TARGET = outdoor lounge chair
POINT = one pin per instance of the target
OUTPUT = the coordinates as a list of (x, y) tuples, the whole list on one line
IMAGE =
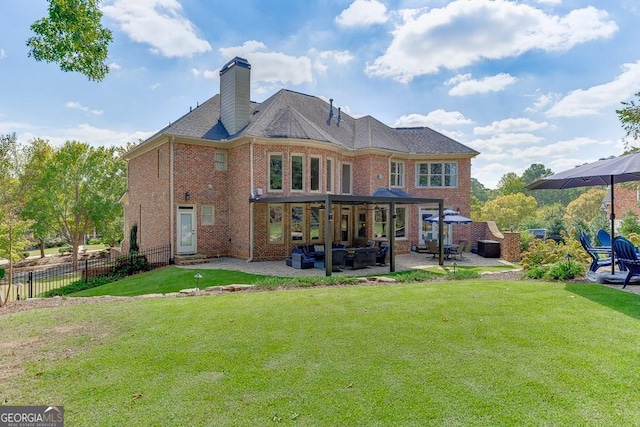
[(600, 256), (432, 248), (359, 259), (627, 257), (604, 238), (338, 258), (381, 256)]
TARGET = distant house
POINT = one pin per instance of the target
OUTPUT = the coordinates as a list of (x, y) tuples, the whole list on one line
[(252, 180)]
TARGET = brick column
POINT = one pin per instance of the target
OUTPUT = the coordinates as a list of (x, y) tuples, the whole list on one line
[(511, 247)]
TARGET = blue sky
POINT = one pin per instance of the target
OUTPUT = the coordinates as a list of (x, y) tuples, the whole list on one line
[(522, 82)]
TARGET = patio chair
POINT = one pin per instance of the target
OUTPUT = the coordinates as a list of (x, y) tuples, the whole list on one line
[(600, 257), (338, 258), (604, 238), (627, 257), (432, 248), (381, 256), (359, 259)]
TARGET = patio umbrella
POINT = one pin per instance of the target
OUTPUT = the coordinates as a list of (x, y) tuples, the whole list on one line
[(613, 170), (450, 217)]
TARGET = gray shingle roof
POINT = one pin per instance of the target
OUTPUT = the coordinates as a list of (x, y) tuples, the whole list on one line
[(289, 114)]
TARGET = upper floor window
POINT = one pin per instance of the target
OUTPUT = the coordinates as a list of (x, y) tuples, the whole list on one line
[(314, 173), (329, 175), (275, 172), (397, 174), (297, 172), (346, 178), (221, 161), (436, 175)]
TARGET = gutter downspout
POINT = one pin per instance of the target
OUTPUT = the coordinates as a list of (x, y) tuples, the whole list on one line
[(171, 196), (251, 204)]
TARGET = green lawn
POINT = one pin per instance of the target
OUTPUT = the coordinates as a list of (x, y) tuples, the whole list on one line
[(442, 353), (169, 279)]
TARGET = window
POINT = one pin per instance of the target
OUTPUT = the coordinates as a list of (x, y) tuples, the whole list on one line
[(297, 223), (275, 172), (329, 175), (315, 226), (314, 174), (436, 175), (275, 224), (397, 174), (346, 178), (297, 172), (401, 223), (380, 222), (362, 224), (206, 215), (221, 161)]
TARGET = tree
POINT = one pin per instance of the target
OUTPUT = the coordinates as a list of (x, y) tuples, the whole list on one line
[(12, 227), (586, 207), (38, 155), (80, 187), (73, 37), (535, 171), (480, 192), (511, 183), (630, 118), (509, 211)]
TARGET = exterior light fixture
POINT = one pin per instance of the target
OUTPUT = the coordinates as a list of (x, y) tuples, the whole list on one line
[(187, 196), (198, 277)]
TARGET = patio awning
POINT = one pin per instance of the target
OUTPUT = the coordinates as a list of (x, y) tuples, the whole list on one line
[(391, 198)]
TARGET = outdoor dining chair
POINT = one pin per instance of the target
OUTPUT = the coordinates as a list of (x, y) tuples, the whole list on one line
[(600, 256)]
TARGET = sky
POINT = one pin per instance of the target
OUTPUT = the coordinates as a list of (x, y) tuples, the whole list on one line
[(522, 82)]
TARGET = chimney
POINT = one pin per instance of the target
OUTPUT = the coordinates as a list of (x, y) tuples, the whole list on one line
[(235, 102)]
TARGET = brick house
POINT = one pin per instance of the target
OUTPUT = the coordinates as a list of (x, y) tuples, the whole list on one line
[(627, 198), (253, 180)]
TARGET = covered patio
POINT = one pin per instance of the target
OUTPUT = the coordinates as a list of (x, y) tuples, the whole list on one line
[(380, 197)]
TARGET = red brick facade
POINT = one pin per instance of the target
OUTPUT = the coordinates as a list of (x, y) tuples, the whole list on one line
[(197, 183)]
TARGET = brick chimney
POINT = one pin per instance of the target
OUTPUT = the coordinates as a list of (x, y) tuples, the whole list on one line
[(235, 102)]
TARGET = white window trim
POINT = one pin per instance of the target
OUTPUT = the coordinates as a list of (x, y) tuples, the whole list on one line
[(443, 163), (330, 185), (320, 175), (391, 184), (226, 161), (213, 215), (278, 190), (350, 178), (304, 181)]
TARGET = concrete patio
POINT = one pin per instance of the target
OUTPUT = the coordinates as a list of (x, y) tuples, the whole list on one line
[(404, 262)]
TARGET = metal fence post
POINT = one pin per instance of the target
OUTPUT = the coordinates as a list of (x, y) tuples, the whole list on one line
[(30, 284), (86, 271)]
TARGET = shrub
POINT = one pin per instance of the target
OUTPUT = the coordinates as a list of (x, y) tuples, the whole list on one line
[(79, 285), (94, 241), (565, 271), (548, 251), (127, 265), (526, 239), (65, 249)]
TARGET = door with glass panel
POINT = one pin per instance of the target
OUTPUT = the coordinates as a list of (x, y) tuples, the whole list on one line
[(186, 231)]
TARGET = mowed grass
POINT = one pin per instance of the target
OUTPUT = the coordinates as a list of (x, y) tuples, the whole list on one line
[(443, 353), (169, 279)]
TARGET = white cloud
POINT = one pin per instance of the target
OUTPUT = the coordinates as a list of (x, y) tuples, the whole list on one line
[(510, 125), (160, 24), (435, 119), (541, 102), (590, 101), (3, 54), (463, 32), (114, 66), (77, 106), (549, 1), (362, 13), (340, 57), (465, 85), (271, 67)]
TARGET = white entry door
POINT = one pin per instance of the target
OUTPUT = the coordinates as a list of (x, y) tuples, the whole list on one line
[(186, 231)]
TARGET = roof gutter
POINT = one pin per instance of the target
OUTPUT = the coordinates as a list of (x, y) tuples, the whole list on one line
[(251, 205)]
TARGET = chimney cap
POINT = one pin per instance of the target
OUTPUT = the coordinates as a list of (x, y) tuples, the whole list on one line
[(241, 62)]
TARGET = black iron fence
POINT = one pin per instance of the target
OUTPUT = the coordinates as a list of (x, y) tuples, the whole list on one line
[(31, 282)]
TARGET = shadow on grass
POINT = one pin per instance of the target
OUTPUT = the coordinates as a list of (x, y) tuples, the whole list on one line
[(623, 302)]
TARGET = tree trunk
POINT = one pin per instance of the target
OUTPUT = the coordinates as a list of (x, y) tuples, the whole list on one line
[(41, 246)]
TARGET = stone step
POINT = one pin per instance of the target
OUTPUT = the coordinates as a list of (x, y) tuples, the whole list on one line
[(190, 259)]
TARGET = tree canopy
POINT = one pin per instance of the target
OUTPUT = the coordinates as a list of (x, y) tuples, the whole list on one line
[(73, 37), (630, 118)]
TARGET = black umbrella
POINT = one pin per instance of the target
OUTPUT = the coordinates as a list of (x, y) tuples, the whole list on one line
[(613, 170)]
